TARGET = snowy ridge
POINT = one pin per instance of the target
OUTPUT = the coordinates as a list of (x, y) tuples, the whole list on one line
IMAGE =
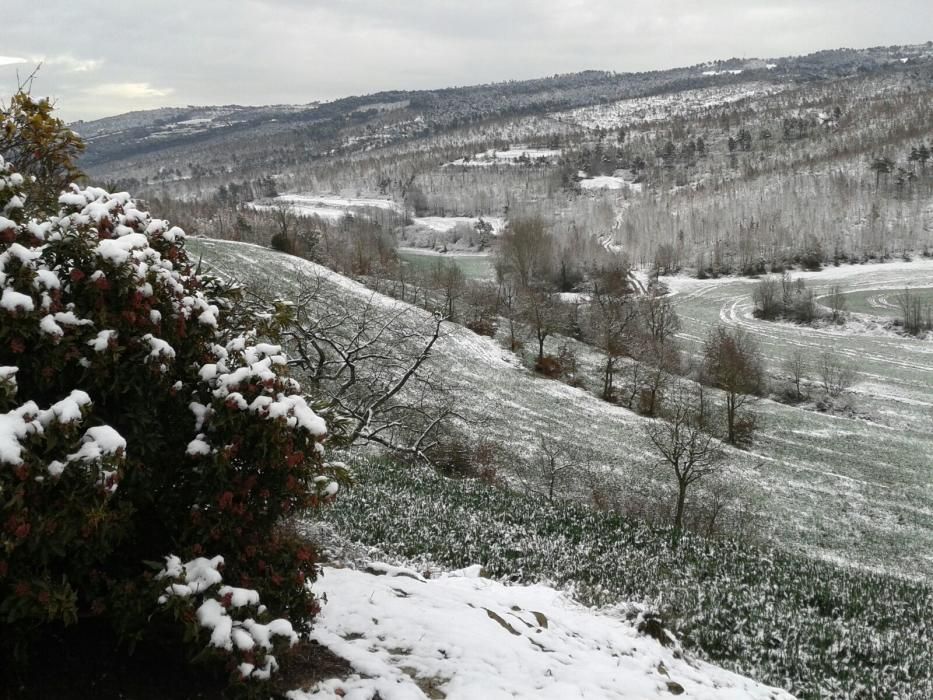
[(463, 637)]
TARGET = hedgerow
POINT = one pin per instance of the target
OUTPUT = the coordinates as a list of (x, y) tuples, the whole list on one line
[(814, 628)]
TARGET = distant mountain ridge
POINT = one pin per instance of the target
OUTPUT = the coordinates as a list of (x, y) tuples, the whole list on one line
[(425, 112)]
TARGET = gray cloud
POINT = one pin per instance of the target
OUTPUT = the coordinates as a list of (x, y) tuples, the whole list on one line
[(103, 58)]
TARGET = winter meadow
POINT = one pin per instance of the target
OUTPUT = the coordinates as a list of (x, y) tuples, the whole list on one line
[(606, 384)]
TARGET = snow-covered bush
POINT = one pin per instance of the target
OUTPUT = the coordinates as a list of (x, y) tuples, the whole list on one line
[(144, 412), (233, 616)]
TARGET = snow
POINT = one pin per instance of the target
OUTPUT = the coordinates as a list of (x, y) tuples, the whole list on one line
[(328, 207), (15, 425), (201, 577), (199, 574), (198, 446), (293, 409), (99, 442), (888, 443), (891, 452), (444, 224), (46, 279), (466, 637), (68, 318), (14, 301), (514, 156), (117, 250), (662, 107), (605, 182), (68, 409), (26, 420), (158, 347), (240, 597), (102, 340)]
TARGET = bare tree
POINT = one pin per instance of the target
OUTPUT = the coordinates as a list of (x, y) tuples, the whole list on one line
[(659, 318), (524, 251), (449, 279), (611, 319), (768, 297), (835, 376), (370, 360), (912, 311), (732, 363), (685, 446), (836, 301), (544, 315), (553, 469), (796, 367), (655, 346), (508, 297)]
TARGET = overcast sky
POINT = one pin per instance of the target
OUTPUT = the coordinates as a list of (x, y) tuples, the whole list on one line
[(101, 58)]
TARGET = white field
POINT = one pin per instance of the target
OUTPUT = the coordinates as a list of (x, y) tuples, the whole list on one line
[(609, 182), (443, 224), (394, 627), (857, 489), (509, 157), (845, 489), (329, 207)]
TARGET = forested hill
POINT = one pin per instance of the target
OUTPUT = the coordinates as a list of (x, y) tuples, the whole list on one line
[(370, 121)]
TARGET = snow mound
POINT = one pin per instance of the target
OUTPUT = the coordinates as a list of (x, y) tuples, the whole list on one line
[(465, 637)]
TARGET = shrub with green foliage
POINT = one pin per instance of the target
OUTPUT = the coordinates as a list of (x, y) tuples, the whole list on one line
[(43, 148), (146, 418)]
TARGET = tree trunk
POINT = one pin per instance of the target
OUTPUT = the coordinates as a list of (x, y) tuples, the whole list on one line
[(730, 417), (607, 379), (679, 514)]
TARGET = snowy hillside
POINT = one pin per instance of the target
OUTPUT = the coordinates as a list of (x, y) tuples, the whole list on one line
[(806, 490), (462, 637)]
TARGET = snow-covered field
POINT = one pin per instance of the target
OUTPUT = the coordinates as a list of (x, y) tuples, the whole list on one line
[(462, 637), (444, 224), (329, 207), (608, 182), (516, 155), (853, 489)]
